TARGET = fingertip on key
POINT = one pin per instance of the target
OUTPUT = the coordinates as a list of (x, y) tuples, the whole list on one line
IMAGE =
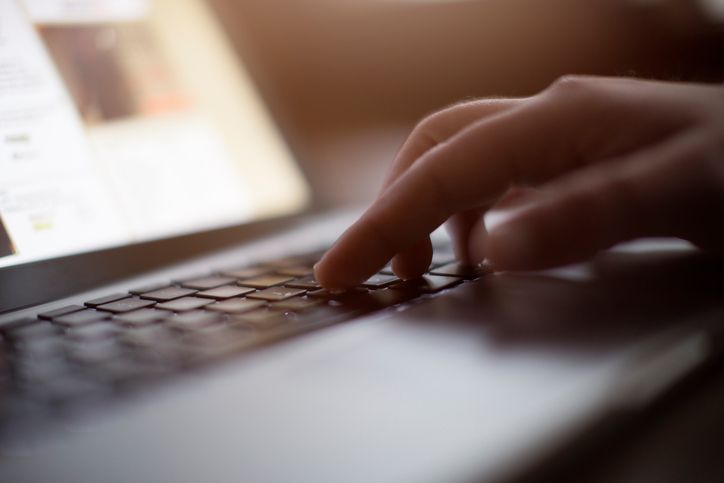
[(408, 269), (330, 277)]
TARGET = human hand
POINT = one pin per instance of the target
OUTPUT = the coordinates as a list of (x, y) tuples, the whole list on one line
[(577, 168)]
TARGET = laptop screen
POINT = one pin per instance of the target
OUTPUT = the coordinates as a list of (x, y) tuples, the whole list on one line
[(128, 120)]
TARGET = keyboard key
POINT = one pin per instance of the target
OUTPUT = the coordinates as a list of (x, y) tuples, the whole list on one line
[(275, 294), (33, 329), (324, 314), (141, 317), (262, 318), (148, 288), (185, 304), (379, 299), (207, 283), (427, 284), (194, 320), (95, 352), (168, 293), (48, 346), (102, 330), (363, 300), (456, 269), (327, 295), (296, 304), (126, 305), (308, 283), (83, 317), (249, 272), (165, 354), (148, 336), (105, 300), (225, 292), (218, 337), (68, 309), (265, 281), (163, 347), (215, 342), (236, 306), (380, 281)]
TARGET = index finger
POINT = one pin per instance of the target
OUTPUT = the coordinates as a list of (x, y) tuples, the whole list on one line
[(461, 173), (430, 132)]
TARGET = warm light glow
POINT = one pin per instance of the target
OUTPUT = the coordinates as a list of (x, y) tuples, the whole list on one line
[(123, 121)]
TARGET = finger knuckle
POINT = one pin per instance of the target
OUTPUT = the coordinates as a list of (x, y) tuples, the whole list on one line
[(571, 85), (427, 129)]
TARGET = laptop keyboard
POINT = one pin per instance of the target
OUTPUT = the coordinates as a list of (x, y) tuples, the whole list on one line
[(123, 342)]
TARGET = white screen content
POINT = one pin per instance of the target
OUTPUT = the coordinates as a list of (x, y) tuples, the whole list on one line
[(128, 120)]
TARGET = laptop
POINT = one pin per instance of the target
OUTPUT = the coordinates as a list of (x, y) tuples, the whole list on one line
[(160, 320)]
